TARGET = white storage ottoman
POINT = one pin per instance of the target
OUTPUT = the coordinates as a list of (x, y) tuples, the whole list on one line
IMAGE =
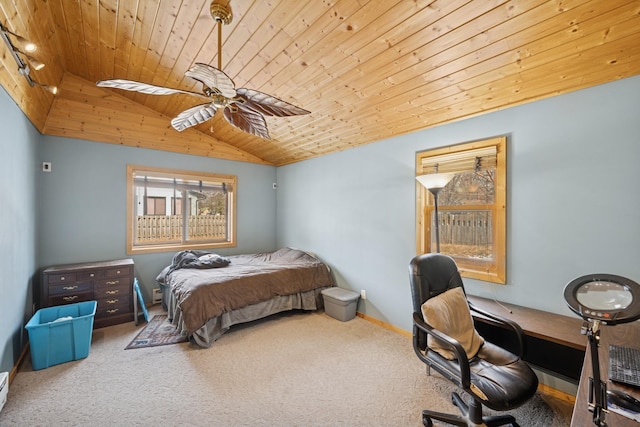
[(340, 303)]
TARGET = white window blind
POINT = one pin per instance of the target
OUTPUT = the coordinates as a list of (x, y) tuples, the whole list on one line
[(478, 159)]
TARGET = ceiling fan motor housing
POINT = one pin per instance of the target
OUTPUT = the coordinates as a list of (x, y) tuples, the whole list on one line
[(221, 13)]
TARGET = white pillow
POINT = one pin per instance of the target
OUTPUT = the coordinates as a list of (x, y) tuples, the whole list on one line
[(449, 313)]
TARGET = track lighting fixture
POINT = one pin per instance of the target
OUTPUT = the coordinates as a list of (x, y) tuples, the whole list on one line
[(26, 44), (35, 63), (22, 57), (48, 88)]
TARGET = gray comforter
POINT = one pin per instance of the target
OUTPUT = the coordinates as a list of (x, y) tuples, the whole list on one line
[(202, 294)]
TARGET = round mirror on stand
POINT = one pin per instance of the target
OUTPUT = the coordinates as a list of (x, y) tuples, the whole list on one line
[(606, 299)]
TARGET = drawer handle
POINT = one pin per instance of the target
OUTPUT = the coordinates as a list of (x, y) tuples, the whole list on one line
[(115, 282), (69, 288), (114, 292), (63, 278), (115, 310), (71, 298), (92, 275), (112, 301), (118, 272)]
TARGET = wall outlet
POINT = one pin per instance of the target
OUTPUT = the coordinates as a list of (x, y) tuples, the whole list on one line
[(46, 166), (363, 294)]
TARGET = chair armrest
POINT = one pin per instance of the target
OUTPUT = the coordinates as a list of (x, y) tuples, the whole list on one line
[(456, 347), (508, 323)]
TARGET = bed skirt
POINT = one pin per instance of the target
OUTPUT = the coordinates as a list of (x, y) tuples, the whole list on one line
[(215, 327)]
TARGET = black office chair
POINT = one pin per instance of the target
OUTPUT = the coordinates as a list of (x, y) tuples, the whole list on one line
[(493, 377)]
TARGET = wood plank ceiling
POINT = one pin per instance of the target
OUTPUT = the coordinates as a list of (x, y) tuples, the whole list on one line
[(366, 69)]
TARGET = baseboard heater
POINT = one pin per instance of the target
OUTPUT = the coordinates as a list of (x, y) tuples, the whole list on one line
[(4, 388)]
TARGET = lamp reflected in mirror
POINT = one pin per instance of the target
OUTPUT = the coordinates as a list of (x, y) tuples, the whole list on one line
[(435, 182)]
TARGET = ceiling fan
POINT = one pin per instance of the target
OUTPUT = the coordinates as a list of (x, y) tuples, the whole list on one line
[(243, 108)]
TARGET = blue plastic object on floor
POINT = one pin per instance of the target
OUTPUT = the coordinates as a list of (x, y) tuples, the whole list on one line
[(61, 333)]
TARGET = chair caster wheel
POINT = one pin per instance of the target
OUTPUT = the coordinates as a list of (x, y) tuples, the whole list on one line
[(426, 421)]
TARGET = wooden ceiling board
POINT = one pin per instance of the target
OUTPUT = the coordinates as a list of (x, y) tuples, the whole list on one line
[(556, 57), (435, 88), (67, 17), (124, 35), (366, 69)]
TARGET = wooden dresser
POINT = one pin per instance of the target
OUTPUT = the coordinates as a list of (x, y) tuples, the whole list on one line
[(110, 283)]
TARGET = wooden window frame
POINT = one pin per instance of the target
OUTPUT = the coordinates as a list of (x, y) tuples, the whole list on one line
[(494, 271), (230, 180)]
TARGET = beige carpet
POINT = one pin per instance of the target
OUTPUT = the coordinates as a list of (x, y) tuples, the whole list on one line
[(297, 369)]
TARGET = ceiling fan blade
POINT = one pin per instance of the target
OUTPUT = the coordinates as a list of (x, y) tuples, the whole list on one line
[(247, 120), (193, 116), (267, 104), (144, 87), (212, 78)]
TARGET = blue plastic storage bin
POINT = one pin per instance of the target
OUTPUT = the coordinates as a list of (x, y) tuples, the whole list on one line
[(61, 334)]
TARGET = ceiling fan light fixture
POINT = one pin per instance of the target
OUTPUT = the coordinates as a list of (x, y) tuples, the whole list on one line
[(243, 108)]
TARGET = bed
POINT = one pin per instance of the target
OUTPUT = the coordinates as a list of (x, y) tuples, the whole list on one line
[(205, 294)]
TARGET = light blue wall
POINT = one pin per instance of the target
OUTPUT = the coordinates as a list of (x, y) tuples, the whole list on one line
[(83, 215), (573, 202), (18, 167)]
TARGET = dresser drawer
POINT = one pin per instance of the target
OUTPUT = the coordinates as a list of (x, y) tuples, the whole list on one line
[(113, 306), (90, 275), (112, 291), (70, 298), (62, 278), (114, 282), (123, 271), (70, 288)]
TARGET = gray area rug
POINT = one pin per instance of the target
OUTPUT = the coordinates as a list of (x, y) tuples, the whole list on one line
[(295, 369), (159, 331)]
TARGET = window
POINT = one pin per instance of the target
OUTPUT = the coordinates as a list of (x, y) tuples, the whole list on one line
[(156, 206), (157, 199), (471, 207)]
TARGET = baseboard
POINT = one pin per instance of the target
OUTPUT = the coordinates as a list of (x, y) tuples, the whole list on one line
[(542, 388), (556, 394), (384, 324), (16, 366)]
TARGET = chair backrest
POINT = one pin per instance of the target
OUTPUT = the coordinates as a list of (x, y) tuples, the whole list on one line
[(430, 275)]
